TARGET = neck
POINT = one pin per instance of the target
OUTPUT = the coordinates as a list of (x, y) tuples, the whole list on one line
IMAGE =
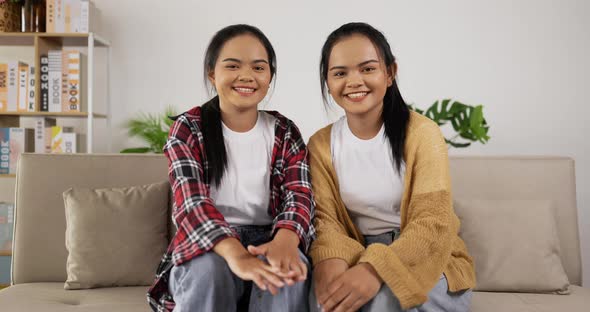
[(365, 126), (239, 120)]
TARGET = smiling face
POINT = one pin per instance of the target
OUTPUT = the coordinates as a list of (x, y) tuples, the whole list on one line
[(242, 73), (357, 77)]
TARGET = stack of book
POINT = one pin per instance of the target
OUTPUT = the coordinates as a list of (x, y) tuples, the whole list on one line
[(70, 16), (17, 87), (47, 137), (61, 83)]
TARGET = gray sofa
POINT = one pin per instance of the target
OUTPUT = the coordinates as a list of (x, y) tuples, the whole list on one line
[(39, 253)]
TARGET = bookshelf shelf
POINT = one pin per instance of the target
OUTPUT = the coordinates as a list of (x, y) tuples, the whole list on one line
[(7, 175), (28, 39), (51, 114), (5, 253)]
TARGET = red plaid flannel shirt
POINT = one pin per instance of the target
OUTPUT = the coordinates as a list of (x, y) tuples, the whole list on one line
[(200, 226)]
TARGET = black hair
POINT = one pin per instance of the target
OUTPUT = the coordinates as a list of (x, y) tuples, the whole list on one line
[(210, 111), (396, 113)]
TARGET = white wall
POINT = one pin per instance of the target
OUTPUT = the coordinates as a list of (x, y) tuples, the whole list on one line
[(526, 61)]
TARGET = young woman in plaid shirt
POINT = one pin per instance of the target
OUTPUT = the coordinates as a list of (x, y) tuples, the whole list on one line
[(242, 196)]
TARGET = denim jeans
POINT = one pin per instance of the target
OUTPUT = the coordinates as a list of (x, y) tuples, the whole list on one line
[(206, 283), (439, 298)]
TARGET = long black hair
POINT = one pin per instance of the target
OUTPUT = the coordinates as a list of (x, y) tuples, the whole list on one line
[(210, 111), (396, 113)]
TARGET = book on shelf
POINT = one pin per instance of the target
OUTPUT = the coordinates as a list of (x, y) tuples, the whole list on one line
[(3, 87), (31, 90), (70, 16), (44, 84), (64, 140), (43, 134), (55, 80), (14, 142), (6, 225)]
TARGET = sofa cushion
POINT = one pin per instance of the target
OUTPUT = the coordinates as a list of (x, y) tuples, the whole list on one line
[(577, 300), (51, 297), (116, 236), (514, 245)]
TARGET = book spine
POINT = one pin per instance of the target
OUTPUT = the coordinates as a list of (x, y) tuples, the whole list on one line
[(4, 150), (3, 87), (73, 85), (50, 20), (44, 98), (12, 86), (55, 81), (31, 89), (56, 140), (23, 78), (84, 16), (69, 143)]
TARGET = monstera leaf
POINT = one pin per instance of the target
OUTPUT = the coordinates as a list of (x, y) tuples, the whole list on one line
[(151, 128), (467, 121)]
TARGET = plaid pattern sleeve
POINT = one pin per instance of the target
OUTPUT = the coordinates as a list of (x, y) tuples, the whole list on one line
[(295, 204), (199, 224)]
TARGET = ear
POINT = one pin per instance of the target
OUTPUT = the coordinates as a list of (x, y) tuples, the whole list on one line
[(211, 77), (391, 72)]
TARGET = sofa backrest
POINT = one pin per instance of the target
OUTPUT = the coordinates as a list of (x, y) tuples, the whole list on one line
[(39, 252), (548, 178)]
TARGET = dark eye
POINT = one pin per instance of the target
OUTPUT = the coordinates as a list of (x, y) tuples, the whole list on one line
[(259, 68), (369, 69), (231, 66), (339, 74)]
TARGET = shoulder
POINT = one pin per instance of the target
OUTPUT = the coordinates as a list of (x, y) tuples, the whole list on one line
[(284, 127), (421, 128), (320, 139)]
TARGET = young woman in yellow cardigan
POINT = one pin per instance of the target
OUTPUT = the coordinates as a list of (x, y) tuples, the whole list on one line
[(387, 236)]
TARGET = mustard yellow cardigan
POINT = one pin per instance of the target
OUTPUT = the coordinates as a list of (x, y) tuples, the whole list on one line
[(429, 243)]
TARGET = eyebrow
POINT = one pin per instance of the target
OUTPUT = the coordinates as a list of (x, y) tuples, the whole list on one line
[(238, 61), (359, 65)]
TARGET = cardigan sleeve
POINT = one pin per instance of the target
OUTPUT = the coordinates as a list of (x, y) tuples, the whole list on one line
[(333, 239), (414, 263)]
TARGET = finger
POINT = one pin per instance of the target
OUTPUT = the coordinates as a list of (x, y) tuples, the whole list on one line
[(328, 289), (256, 251), (296, 267), (273, 290), (357, 304), (273, 279), (335, 298), (346, 303), (259, 281), (303, 267)]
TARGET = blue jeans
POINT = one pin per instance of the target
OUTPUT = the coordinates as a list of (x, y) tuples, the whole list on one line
[(206, 283), (440, 299)]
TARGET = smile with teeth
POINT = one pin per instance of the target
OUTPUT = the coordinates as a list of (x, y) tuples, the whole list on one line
[(357, 95), (244, 90)]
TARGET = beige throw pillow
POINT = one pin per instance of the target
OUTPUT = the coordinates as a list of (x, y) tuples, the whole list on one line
[(514, 245), (116, 236)]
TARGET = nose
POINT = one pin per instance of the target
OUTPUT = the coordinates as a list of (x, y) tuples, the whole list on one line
[(245, 75), (354, 80)]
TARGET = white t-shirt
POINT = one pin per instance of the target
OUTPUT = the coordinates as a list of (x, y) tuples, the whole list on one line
[(244, 193), (370, 186)]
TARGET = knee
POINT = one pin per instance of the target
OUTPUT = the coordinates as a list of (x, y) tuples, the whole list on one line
[(385, 300), (208, 267)]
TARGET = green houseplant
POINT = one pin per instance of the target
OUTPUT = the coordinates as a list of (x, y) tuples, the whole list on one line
[(151, 128), (468, 123)]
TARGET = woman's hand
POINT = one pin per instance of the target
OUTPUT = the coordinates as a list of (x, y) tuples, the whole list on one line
[(283, 256), (352, 289), (247, 266), (324, 273)]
